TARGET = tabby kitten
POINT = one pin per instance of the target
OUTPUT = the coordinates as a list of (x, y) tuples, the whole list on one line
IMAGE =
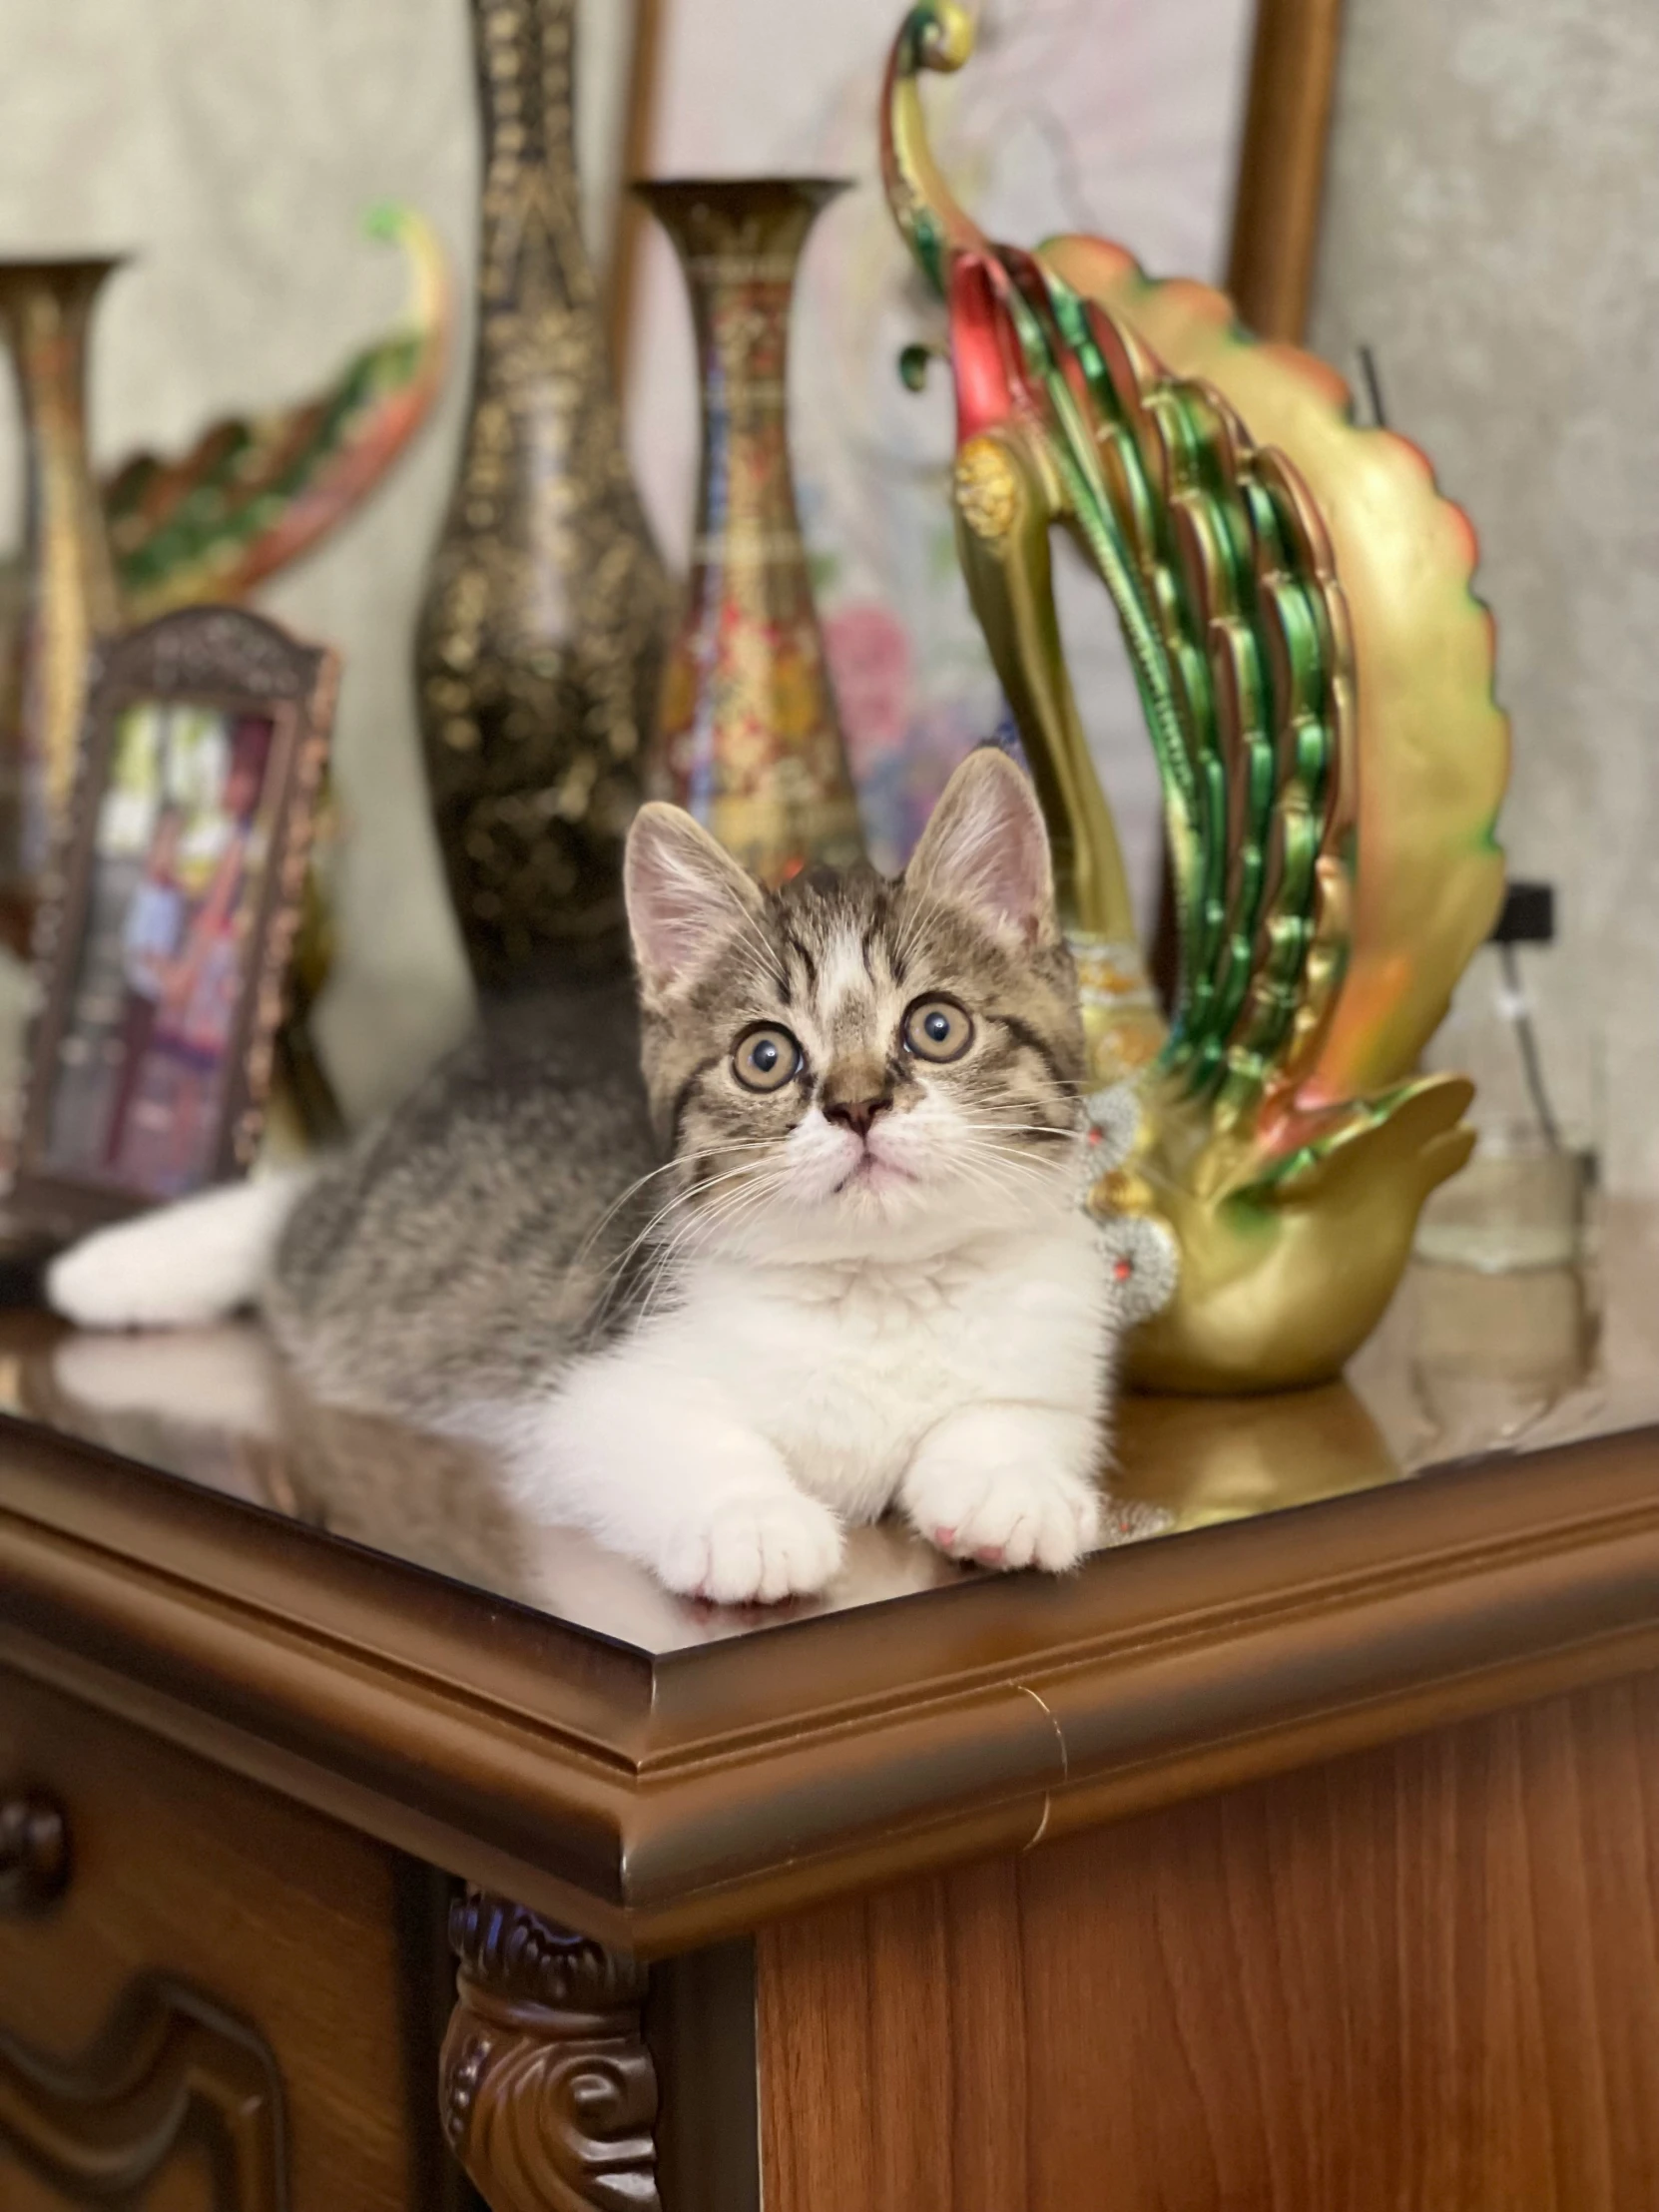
[(827, 1259)]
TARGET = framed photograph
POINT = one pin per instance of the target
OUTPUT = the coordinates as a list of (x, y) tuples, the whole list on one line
[(616, 76), (1279, 195), (163, 941)]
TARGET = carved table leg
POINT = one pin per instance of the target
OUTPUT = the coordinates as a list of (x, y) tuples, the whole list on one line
[(547, 2091)]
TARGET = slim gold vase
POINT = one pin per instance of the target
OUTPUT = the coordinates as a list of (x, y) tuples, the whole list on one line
[(747, 735), (65, 593)]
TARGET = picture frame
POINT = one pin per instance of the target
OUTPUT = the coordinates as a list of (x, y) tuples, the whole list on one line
[(169, 917), (618, 44), (1279, 188)]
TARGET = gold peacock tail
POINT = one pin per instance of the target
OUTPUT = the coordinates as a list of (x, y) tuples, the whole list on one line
[(1316, 675)]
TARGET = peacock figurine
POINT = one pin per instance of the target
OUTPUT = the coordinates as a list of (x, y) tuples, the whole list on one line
[(253, 494), (1316, 675)]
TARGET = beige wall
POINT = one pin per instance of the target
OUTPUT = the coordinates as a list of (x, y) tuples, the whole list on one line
[(1493, 230)]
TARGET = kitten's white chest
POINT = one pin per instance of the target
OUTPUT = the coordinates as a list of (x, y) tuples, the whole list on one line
[(846, 1369)]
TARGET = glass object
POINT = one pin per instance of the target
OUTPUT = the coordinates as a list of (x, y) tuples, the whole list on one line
[(539, 654), (749, 738), (1526, 1038), (68, 593), (1493, 1353)]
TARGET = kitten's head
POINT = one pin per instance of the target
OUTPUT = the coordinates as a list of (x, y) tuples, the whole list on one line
[(848, 1062)]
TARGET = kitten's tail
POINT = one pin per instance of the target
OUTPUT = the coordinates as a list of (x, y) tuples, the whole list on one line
[(182, 1267)]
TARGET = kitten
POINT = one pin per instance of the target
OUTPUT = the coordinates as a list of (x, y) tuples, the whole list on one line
[(829, 1258)]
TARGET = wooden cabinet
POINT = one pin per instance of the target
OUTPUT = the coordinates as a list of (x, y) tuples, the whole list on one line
[(1303, 1864), (1425, 1976), (220, 1987)]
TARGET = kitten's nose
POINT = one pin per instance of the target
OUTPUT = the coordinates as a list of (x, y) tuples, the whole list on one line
[(855, 1113)]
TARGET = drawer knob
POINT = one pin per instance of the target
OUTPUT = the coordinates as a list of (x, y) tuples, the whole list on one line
[(34, 1852)]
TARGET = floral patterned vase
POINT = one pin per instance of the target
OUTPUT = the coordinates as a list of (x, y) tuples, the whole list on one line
[(747, 735)]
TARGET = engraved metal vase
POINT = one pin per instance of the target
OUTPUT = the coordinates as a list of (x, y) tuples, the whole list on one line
[(540, 645), (749, 738), (64, 591)]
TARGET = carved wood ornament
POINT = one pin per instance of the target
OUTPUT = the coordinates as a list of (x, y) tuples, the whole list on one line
[(170, 2071), (547, 2091)]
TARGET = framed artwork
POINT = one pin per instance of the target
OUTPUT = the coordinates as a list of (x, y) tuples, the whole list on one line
[(1095, 115), (616, 57), (162, 944), (1279, 195)]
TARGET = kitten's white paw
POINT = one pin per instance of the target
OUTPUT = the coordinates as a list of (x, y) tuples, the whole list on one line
[(179, 1267), (754, 1551), (1012, 1521), (105, 1282), (1001, 1494)]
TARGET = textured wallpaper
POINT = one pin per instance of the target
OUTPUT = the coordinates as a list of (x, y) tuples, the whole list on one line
[(1492, 232)]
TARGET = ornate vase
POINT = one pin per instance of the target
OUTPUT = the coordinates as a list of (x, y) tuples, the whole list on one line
[(65, 592), (539, 653), (748, 736)]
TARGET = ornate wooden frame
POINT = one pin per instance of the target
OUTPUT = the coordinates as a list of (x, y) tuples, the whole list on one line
[(1280, 181), (34, 1852), (621, 280), (657, 1802), (220, 657)]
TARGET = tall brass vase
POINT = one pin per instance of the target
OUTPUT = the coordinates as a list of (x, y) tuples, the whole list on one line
[(65, 591), (539, 653), (748, 736)]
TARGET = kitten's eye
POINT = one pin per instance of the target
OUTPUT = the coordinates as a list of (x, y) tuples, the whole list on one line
[(937, 1030), (765, 1059)]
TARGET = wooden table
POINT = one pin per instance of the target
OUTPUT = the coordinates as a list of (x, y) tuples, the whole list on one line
[(1304, 1860)]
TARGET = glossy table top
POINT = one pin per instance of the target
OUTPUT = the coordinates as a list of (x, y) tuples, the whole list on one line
[(1464, 1364), (362, 1618)]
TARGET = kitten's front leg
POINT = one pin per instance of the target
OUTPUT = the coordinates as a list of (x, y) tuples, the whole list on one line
[(1010, 1486), (662, 1465)]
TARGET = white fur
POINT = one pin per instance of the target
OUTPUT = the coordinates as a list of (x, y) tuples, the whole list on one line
[(726, 1445), (187, 1264)]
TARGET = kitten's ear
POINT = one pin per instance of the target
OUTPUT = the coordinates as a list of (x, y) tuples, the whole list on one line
[(986, 848), (684, 896)]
